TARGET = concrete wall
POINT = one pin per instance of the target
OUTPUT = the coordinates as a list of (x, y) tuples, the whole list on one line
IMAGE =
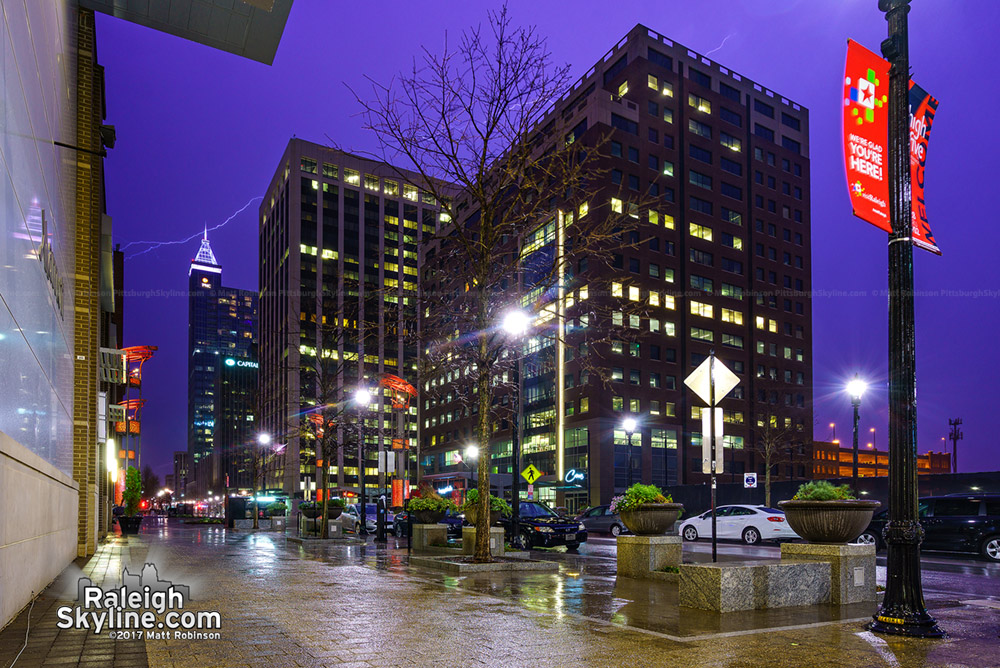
[(38, 525)]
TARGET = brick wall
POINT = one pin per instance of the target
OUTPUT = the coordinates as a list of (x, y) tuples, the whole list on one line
[(89, 188)]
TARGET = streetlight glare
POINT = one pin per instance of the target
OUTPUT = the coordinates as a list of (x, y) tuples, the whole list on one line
[(362, 396), (472, 452), (516, 322), (856, 387), (264, 438), (629, 424)]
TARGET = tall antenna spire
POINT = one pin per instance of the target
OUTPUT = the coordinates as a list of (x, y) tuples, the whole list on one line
[(205, 254)]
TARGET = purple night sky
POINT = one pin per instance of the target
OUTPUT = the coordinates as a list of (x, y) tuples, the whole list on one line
[(200, 133)]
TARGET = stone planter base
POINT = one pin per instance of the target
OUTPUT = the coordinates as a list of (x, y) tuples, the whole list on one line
[(496, 541), (642, 556), (425, 534), (753, 585), (852, 568)]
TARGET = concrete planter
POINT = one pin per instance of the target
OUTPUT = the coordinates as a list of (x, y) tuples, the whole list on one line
[(332, 512), (428, 516), (472, 515), (829, 521), (129, 525), (652, 519)]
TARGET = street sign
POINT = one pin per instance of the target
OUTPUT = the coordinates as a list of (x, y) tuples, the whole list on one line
[(387, 461), (706, 443), (531, 492), (699, 381), (531, 474), (750, 481)]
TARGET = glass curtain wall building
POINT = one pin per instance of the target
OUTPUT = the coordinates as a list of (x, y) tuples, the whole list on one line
[(222, 323)]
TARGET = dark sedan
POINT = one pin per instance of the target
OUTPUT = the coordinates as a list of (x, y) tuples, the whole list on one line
[(957, 523), (540, 526)]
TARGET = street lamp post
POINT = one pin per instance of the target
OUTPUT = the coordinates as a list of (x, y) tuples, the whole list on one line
[(903, 611), (833, 431), (516, 324), (855, 388), (629, 424), (362, 397)]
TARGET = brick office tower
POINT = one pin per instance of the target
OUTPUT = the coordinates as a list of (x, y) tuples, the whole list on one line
[(721, 262), (339, 238), (222, 323)]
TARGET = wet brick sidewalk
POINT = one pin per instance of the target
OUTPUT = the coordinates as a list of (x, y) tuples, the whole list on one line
[(289, 604)]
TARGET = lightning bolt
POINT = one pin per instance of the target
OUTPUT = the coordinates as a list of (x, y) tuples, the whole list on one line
[(720, 46), (153, 245)]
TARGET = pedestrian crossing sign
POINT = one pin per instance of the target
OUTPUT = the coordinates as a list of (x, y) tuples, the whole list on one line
[(531, 474)]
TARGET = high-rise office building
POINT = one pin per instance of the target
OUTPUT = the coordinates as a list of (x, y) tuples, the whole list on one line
[(720, 261), (339, 238), (222, 324), (236, 433)]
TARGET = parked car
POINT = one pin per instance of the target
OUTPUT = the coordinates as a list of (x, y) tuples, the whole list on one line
[(956, 523), (351, 518), (751, 524), (601, 519), (542, 527)]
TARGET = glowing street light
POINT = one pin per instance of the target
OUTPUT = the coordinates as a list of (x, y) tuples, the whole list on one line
[(264, 438), (362, 397), (856, 387), (516, 322), (629, 424)]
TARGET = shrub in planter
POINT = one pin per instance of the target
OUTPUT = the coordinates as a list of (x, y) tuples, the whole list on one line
[(312, 510), (427, 506), (276, 509), (130, 521), (498, 507), (646, 511), (821, 512)]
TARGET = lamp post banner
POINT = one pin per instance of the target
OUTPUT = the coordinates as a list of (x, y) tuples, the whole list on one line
[(922, 109), (866, 132)]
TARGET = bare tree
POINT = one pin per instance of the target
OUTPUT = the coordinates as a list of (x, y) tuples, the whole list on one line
[(520, 200), (321, 421)]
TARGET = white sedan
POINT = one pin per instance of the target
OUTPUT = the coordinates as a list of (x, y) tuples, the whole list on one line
[(751, 524)]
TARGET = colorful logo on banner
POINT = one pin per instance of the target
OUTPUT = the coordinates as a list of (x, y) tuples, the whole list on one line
[(922, 110), (866, 133), (866, 128)]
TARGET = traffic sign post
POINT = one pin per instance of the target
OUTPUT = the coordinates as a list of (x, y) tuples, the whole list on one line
[(712, 381)]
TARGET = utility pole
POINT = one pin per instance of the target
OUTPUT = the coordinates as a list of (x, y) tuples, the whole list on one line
[(955, 435), (903, 611)]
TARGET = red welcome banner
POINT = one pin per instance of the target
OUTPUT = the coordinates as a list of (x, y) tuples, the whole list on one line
[(922, 110), (866, 130), (866, 133)]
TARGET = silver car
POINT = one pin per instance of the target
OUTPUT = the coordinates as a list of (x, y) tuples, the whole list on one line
[(601, 519), (351, 518)]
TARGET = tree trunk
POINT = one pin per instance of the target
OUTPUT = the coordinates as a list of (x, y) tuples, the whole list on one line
[(325, 531), (482, 551), (767, 482), (256, 510)]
